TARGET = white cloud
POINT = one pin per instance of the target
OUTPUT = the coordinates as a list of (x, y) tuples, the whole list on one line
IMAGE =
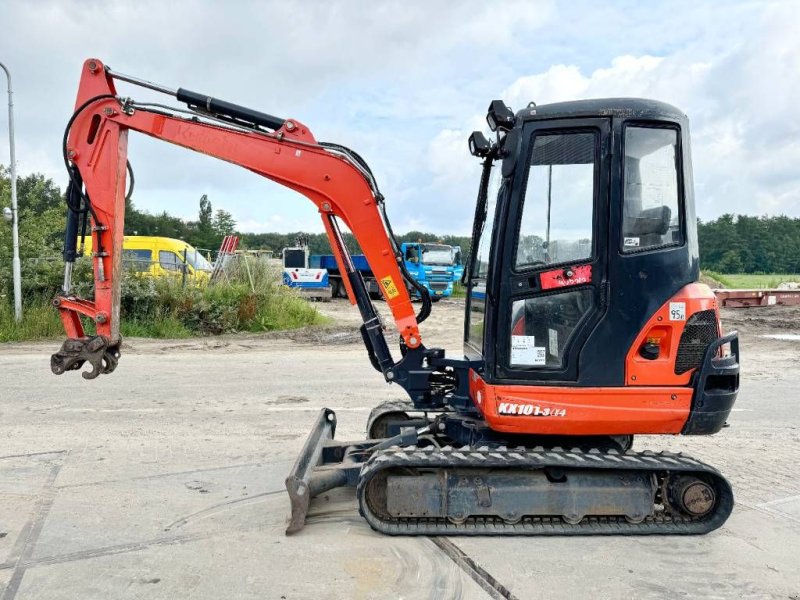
[(741, 103), (404, 84)]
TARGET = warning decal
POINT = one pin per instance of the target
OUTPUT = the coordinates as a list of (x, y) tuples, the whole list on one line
[(389, 287)]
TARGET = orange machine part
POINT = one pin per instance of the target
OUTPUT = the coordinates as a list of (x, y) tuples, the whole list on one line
[(581, 411), (654, 400), (666, 328), (97, 144)]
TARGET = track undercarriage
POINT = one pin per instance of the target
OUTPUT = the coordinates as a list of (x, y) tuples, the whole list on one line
[(418, 482)]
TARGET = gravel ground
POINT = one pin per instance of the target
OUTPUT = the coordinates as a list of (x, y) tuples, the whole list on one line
[(165, 480)]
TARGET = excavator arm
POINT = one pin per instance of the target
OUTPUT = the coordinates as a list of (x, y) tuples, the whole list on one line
[(335, 179)]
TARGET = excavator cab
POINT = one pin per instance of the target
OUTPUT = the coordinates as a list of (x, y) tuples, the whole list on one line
[(584, 275), (584, 323)]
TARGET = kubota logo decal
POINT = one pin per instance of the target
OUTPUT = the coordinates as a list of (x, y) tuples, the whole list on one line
[(530, 410), (389, 286)]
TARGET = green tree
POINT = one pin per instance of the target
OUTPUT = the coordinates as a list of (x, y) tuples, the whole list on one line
[(224, 223), (205, 235), (41, 224)]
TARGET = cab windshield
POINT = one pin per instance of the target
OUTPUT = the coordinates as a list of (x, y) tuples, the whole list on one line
[(437, 255), (197, 260)]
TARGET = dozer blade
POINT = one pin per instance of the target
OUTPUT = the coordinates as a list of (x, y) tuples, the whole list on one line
[(306, 480)]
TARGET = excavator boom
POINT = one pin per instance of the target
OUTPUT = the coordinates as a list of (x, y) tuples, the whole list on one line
[(285, 151)]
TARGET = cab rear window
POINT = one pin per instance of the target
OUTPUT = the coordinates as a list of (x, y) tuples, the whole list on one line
[(651, 213)]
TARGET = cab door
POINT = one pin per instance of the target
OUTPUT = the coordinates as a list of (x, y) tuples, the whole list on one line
[(554, 246)]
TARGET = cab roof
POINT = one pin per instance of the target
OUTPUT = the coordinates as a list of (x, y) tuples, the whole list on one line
[(626, 108)]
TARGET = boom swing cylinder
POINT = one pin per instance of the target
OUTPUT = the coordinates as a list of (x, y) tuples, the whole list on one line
[(565, 356)]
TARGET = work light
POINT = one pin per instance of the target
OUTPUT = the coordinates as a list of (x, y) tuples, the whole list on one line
[(499, 116), (479, 145)]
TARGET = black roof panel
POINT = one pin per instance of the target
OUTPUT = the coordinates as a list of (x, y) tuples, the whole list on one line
[(628, 108)]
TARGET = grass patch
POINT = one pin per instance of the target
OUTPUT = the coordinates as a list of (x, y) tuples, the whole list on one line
[(459, 291), (163, 328), (250, 298), (39, 321), (753, 280)]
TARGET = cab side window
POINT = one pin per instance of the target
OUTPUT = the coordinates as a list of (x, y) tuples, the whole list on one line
[(169, 260), (651, 208)]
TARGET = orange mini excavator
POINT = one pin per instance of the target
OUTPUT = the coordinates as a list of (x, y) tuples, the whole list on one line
[(584, 322)]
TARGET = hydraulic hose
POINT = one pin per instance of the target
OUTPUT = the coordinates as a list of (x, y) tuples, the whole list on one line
[(480, 215), (75, 193), (425, 309)]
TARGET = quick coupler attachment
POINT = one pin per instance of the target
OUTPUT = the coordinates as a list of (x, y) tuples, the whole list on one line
[(305, 480), (97, 351)]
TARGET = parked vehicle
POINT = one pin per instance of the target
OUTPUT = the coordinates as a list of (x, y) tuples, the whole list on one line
[(432, 265), (160, 257), (312, 282)]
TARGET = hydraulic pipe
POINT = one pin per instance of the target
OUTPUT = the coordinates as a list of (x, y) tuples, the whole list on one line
[(141, 83), (228, 109)]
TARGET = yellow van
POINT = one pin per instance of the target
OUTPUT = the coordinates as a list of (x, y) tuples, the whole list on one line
[(160, 257)]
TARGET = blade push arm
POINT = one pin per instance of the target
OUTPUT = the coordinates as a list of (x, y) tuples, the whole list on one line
[(97, 148)]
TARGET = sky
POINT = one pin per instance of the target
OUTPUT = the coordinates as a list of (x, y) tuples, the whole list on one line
[(404, 83)]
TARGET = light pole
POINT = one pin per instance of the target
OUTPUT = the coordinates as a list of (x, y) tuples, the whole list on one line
[(14, 211)]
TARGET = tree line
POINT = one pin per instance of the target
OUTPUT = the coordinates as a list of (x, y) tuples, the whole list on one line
[(747, 244), (728, 244), (318, 242), (205, 233)]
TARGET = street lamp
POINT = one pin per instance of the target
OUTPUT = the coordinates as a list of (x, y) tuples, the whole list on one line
[(14, 211)]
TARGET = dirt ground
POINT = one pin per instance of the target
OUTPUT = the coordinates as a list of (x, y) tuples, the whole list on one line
[(165, 480)]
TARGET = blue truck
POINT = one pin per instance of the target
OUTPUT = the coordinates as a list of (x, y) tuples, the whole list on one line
[(436, 266)]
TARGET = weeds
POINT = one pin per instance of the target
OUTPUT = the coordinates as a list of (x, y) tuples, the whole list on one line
[(249, 298), (752, 280), (39, 320)]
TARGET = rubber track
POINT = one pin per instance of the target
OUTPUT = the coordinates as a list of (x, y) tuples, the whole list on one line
[(526, 459)]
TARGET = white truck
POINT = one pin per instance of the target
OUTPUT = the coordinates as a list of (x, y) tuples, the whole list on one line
[(311, 283)]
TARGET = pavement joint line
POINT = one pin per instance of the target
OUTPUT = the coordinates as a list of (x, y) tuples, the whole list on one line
[(31, 454), (29, 535), (173, 473), (778, 501), (109, 550), (773, 512), (494, 588), (125, 548), (221, 506)]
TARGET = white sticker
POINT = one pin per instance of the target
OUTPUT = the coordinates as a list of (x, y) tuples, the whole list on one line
[(771, 300), (523, 351), (677, 311), (539, 357), (631, 242), (553, 345)]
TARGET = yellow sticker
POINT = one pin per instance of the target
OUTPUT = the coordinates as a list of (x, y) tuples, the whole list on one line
[(389, 286)]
